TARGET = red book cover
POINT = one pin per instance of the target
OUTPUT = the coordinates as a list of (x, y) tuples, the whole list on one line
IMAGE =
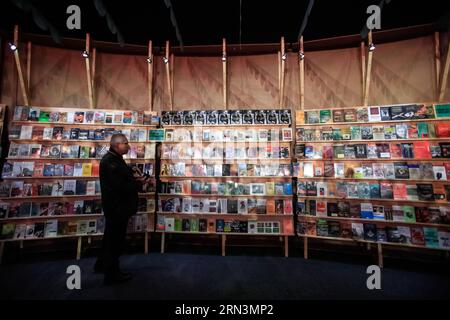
[(396, 151), (400, 191), (95, 169), (327, 152), (422, 150), (442, 130)]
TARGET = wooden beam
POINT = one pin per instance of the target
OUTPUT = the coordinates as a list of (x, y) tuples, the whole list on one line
[(279, 75), (88, 71), (302, 74), (19, 67), (380, 255), (283, 69), (369, 73), (169, 86), (286, 246), (437, 60), (224, 241), (224, 72), (172, 66), (94, 64), (79, 242), (445, 75), (29, 67), (363, 70), (150, 75), (163, 241), (146, 242), (305, 248)]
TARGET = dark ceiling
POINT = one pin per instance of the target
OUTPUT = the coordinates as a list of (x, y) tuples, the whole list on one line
[(203, 22)]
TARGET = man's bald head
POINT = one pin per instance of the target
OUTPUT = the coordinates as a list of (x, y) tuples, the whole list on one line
[(119, 143)]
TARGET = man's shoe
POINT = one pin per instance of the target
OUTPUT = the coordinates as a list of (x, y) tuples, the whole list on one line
[(117, 278)]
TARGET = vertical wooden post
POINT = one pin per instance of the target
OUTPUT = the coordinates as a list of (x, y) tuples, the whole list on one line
[(79, 248), (172, 66), (146, 242), (163, 241), (29, 67), (302, 74), (286, 246), (283, 68), (19, 67), (2, 250), (437, 60), (363, 70), (94, 63), (88, 71), (224, 71), (150, 75), (169, 86), (305, 248), (380, 255), (279, 74), (445, 75), (369, 72), (224, 239)]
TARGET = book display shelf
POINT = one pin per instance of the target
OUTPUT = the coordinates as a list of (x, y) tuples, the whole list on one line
[(226, 173), (50, 186), (376, 175)]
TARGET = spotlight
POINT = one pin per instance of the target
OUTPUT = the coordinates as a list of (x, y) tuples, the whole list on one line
[(12, 46), (284, 57), (149, 60), (166, 61), (371, 47), (85, 54), (301, 55), (224, 58)]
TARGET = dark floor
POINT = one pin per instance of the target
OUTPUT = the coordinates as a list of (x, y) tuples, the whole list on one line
[(200, 276)]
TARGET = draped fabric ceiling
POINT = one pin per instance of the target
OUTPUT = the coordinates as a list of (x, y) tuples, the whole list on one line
[(402, 72)]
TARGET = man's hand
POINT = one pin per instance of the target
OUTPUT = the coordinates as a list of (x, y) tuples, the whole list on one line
[(143, 179)]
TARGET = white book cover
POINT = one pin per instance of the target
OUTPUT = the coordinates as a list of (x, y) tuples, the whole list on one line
[(358, 230), (405, 234), (187, 205), (70, 187), (321, 208), (26, 132), (47, 134), (242, 206), (17, 113), (308, 169), (322, 189), (78, 170), (150, 150), (444, 239), (195, 205), (212, 206), (90, 188), (378, 133), (339, 170), (439, 173), (20, 231), (51, 228), (204, 205), (378, 213), (222, 206), (57, 189), (374, 114), (169, 224), (91, 227), (252, 227), (70, 117), (82, 227), (30, 231), (389, 170)]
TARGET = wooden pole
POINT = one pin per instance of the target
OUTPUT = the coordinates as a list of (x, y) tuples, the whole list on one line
[(88, 71), (368, 74), (163, 241), (380, 255), (172, 66), (363, 70), (19, 67), (286, 246), (224, 240), (146, 242), (279, 75), (169, 87), (445, 75), (94, 64), (437, 60), (79, 248), (283, 69), (302, 74), (305, 248), (29, 67), (150, 75), (224, 71)]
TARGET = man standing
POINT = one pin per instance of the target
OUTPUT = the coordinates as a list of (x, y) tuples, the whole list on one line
[(119, 201)]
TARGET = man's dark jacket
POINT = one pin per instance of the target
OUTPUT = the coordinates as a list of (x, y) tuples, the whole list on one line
[(118, 186)]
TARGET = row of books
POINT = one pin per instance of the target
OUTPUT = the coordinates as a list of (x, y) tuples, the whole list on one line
[(416, 150), (387, 132), (169, 224), (41, 169), (225, 206), (229, 135), (369, 114), (55, 228), (220, 152), (387, 171), (181, 169), (226, 117), (59, 188), (9, 210), (23, 132), (16, 150), (367, 210), (427, 237), (51, 189), (230, 188), (22, 113), (383, 191)]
